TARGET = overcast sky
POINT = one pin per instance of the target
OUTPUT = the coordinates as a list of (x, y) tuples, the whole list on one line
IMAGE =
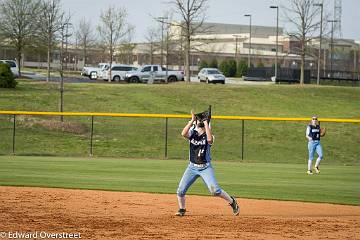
[(141, 13)]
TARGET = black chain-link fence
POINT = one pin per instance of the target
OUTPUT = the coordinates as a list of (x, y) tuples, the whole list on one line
[(160, 138)]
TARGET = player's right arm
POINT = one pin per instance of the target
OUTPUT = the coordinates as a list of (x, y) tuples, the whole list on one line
[(308, 133), (185, 131)]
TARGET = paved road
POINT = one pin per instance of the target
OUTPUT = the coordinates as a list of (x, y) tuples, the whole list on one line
[(41, 77), (238, 81)]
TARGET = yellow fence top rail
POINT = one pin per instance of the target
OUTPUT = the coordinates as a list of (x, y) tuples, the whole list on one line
[(141, 115)]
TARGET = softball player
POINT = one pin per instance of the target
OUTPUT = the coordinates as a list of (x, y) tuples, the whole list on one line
[(313, 131), (200, 140)]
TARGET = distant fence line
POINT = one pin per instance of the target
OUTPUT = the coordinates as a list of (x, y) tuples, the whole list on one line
[(184, 116), (163, 116)]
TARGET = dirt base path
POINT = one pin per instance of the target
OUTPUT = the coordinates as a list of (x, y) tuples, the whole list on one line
[(118, 215)]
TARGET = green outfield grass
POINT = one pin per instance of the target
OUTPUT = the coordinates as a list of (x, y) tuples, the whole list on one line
[(265, 142), (335, 184)]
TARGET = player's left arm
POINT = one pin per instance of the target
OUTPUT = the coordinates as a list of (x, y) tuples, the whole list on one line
[(209, 135), (186, 131)]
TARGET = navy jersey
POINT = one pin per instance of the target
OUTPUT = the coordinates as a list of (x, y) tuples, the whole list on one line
[(313, 132), (199, 148)]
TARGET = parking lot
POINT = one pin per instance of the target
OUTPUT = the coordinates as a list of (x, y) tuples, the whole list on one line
[(82, 79)]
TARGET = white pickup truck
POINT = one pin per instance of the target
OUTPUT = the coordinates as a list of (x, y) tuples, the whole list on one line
[(94, 72), (153, 73)]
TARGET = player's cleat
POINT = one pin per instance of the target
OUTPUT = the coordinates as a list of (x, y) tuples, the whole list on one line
[(309, 172), (317, 170), (181, 212), (235, 207)]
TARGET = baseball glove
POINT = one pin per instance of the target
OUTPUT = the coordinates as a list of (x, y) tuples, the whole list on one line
[(322, 132), (206, 115)]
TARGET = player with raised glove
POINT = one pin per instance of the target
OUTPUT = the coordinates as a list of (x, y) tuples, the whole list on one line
[(198, 133)]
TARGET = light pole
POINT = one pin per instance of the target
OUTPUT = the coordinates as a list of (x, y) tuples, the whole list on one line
[(356, 58), (162, 20), (321, 30), (277, 39), (67, 35), (236, 46), (332, 45), (249, 61)]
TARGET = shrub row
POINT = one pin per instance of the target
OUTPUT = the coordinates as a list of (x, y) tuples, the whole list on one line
[(229, 67)]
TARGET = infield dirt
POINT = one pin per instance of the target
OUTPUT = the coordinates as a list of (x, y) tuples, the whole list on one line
[(126, 215)]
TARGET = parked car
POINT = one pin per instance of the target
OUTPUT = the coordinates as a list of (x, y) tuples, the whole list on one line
[(118, 72), (211, 75), (13, 66), (154, 73), (94, 72)]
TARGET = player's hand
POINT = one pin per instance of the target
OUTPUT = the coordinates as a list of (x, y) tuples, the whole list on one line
[(192, 116), (322, 132)]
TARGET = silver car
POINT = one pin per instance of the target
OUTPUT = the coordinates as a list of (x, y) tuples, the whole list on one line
[(211, 75)]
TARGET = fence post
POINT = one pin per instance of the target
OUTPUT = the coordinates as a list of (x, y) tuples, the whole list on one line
[(14, 127), (166, 136), (242, 139), (91, 135)]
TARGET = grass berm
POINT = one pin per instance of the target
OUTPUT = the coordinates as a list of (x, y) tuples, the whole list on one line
[(265, 142)]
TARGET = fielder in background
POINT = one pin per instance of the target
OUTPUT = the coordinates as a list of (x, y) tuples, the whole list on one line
[(313, 134), (198, 132)]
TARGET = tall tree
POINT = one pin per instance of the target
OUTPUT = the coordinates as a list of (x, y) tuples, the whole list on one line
[(18, 23), (50, 25), (64, 34), (153, 38), (165, 38), (85, 36), (112, 29), (303, 15), (126, 49), (168, 36), (192, 13)]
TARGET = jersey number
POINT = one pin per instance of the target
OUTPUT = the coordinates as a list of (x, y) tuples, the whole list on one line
[(201, 152)]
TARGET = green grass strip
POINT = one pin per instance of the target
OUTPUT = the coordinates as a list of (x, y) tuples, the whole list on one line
[(336, 184)]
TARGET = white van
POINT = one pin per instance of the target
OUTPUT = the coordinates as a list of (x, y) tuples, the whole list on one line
[(118, 72), (13, 66)]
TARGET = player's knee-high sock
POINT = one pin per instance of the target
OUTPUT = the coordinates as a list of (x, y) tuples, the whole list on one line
[(309, 164), (225, 196), (317, 162), (181, 201)]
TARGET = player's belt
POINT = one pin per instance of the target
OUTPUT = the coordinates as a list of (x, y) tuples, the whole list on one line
[(200, 165)]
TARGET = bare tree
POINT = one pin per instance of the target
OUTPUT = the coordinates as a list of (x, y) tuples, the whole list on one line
[(64, 26), (112, 29), (153, 38), (125, 50), (303, 15), (37, 50), (50, 23), (85, 36), (192, 13), (18, 23)]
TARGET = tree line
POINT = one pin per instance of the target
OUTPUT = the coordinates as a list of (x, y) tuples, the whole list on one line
[(40, 24), (43, 24)]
